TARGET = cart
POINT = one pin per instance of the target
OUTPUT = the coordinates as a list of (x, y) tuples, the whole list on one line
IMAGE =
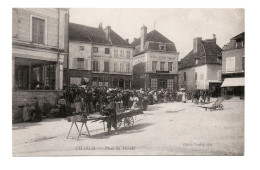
[(125, 118)]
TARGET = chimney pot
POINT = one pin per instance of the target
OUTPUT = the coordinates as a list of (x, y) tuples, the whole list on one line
[(143, 35), (127, 40)]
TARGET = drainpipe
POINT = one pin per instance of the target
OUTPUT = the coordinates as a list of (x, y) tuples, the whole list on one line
[(68, 61)]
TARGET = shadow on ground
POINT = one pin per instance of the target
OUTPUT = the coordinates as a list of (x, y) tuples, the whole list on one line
[(122, 131), (26, 125)]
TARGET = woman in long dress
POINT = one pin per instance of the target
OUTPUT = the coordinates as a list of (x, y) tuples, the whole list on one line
[(135, 101), (184, 97)]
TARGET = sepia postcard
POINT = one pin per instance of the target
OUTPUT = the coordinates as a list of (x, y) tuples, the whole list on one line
[(128, 81)]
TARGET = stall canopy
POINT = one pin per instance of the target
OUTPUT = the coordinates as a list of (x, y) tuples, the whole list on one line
[(233, 82)]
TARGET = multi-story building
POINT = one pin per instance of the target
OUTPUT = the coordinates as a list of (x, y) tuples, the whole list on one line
[(201, 68), (39, 46), (155, 61), (99, 57), (233, 66)]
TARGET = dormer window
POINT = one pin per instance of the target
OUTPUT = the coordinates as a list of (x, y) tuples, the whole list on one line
[(240, 44), (196, 60), (162, 47)]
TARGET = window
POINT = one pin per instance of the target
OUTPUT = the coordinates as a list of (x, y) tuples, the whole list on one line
[(106, 66), (81, 48), (128, 67), (106, 81), (79, 80), (38, 30), (154, 65), (240, 44), (95, 49), (184, 76), (162, 66), (121, 67), (201, 76), (219, 75), (162, 47), (115, 67), (80, 62), (169, 66), (122, 53), (95, 81), (196, 61), (115, 53), (195, 75), (124, 68), (95, 66), (170, 83), (100, 81), (153, 83), (243, 63), (128, 54), (230, 64), (107, 51), (33, 74)]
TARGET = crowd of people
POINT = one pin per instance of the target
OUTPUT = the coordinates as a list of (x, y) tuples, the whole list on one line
[(91, 100)]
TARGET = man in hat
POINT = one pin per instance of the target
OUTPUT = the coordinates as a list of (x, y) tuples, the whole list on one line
[(112, 116), (62, 104), (35, 111)]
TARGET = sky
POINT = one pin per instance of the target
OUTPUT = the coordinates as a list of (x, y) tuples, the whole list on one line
[(179, 25)]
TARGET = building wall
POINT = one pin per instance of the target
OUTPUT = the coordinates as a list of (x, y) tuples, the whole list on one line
[(205, 74), (238, 54), (22, 21), (213, 72), (53, 49), (25, 97), (162, 57), (74, 52)]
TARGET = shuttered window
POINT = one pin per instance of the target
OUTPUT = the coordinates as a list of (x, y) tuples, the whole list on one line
[(95, 66), (230, 64), (38, 30), (106, 66), (80, 63)]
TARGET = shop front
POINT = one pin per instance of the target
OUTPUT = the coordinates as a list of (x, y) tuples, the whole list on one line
[(233, 87), (36, 76), (112, 80), (162, 81)]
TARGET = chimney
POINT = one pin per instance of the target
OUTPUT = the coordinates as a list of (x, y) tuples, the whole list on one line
[(127, 40), (107, 32), (214, 38), (100, 25), (196, 44), (143, 35)]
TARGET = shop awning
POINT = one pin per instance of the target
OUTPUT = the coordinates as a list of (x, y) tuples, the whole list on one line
[(233, 82)]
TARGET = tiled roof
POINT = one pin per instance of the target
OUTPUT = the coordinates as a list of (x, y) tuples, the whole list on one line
[(78, 32), (117, 40), (152, 42), (207, 53), (239, 36), (97, 35), (156, 37), (232, 44), (152, 36)]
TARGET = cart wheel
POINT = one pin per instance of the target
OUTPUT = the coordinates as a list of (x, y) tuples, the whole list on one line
[(119, 123), (221, 107), (129, 121)]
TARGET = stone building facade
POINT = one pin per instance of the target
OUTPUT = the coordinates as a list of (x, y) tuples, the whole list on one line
[(99, 57), (155, 61), (233, 66), (39, 46), (201, 68)]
